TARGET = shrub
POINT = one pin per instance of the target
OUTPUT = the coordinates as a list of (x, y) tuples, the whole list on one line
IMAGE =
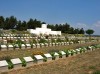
[(66, 51), (31, 44), (42, 41), (84, 49), (80, 50), (58, 40), (52, 40), (10, 64), (44, 59), (34, 41), (60, 55), (23, 62), (53, 56), (19, 42), (72, 52)]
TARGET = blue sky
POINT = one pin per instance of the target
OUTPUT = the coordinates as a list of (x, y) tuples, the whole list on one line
[(78, 13)]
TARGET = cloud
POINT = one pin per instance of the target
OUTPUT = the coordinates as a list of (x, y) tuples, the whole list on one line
[(97, 24), (81, 25)]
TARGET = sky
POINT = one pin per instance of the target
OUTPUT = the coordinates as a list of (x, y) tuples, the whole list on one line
[(78, 13)]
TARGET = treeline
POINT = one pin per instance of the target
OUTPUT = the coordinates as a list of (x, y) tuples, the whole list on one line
[(12, 23)]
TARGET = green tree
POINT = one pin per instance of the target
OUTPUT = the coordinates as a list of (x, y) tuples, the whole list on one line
[(19, 25), (89, 32), (30, 24), (10, 22), (2, 21), (81, 31)]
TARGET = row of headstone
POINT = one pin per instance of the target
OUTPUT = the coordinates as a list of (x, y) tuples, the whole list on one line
[(14, 35), (38, 59), (29, 46)]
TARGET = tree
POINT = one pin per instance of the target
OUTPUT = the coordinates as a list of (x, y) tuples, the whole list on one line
[(81, 31), (19, 25), (10, 22), (76, 31), (30, 24), (2, 21), (89, 32)]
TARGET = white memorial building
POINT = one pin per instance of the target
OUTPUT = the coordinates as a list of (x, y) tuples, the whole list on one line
[(44, 30)]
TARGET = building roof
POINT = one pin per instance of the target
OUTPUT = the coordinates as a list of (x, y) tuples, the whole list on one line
[(16, 61), (47, 55), (3, 63), (38, 57), (28, 59)]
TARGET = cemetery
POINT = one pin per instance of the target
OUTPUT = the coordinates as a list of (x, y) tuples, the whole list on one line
[(50, 45), (17, 63)]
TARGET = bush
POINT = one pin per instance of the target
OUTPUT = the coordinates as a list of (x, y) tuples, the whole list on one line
[(45, 59), (10, 64), (58, 40), (81, 50), (60, 55), (31, 44), (66, 51), (52, 40), (34, 41), (42, 41), (23, 62), (72, 52), (52, 54), (19, 42)]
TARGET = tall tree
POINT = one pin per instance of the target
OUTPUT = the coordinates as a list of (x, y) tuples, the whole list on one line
[(81, 31), (19, 25), (2, 21), (24, 25), (76, 31), (89, 32), (10, 22), (30, 24), (37, 23)]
